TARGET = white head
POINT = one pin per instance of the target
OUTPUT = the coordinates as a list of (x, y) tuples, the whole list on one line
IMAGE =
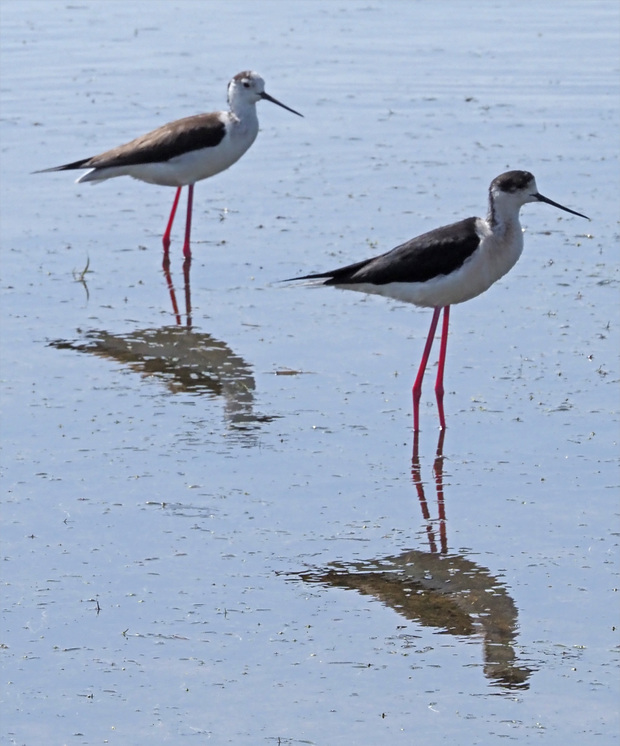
[(513, 189), (249, 88)]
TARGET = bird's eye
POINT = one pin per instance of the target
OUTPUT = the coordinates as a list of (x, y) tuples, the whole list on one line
[(246, 83)]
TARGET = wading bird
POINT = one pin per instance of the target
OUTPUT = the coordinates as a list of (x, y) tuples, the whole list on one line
[(447, 265), (187, 150)]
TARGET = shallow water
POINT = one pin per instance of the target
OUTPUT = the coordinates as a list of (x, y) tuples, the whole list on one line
[(225, 532)]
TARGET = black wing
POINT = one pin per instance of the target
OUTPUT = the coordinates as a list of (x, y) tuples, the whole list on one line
[(160, 145), (438, 252)]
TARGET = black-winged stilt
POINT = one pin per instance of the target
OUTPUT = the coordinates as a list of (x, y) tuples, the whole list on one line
[(447, 265), (187, 150)]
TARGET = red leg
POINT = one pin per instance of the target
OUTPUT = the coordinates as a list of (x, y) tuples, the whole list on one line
[(166, 238), (187, 252), (442, 365), (417, 386)]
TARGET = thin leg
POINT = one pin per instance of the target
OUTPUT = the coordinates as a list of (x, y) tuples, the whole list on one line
[(442, 365), (187, 252), (417, 386), (166, 237)]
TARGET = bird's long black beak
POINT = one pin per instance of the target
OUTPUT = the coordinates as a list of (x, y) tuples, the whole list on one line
[(540, 198), (273, 100)]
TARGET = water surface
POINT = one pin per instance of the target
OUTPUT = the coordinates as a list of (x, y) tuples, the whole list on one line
[(225, 532)]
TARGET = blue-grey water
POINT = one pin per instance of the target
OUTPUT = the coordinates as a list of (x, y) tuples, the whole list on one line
[(219, 533)]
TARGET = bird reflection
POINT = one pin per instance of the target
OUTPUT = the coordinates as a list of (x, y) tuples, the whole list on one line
[(437, 589), (173, 296), (185, 360), (416, 476)]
